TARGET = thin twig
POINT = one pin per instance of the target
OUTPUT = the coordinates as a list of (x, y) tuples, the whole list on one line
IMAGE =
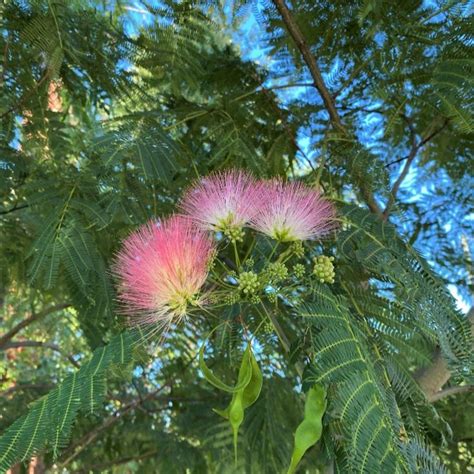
[(25, 96), (25, 386), (394, 162), (14, 208), (415, 147), (320, 86), (29, 320), (74, 450), (363, 109), (88, 438), (47, 345)]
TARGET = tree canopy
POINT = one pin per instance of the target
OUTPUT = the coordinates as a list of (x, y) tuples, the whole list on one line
[(347, 352)]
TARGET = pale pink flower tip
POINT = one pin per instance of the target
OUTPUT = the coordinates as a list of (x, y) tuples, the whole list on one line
[(290, 211), (161, 268), (222, 201)]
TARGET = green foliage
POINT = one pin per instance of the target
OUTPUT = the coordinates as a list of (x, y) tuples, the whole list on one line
[(419, 296), (49, 420)]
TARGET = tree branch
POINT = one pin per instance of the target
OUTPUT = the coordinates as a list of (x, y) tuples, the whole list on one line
[(394, 162), (29, 320), (88, 438), (25, 96), (320, 86), (447, 392), (432, 378), (363, 109), (14, 208), (25, 386), (416, 146), (318, 81), (53, 347)]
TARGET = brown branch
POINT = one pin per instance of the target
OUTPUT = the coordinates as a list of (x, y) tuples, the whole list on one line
[(25, 96), (302, 45), (447, 392), (25, 386), (53, 347), (320, 86), (88, 438), (432, 378), (371, 202), (29, 320), (14, 208)]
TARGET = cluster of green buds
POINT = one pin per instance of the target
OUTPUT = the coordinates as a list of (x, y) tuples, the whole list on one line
[(249, 263), (297, 249), (272, 296), (276, 272), (212, 261), (299, 270), (268, 326), (234, 234), (248, 283), (232, 298), (324, 269)]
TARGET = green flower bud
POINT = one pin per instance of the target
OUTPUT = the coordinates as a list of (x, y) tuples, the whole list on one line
[(324, 269), (249, 263), (272, 297), (297, 249), (214, 298), (299, 270), (234, 234), (267, 326), (248, 283), (255, 299), (232, 298), (276, 272)]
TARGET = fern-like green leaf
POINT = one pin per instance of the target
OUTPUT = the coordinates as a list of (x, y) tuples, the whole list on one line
[(82, 391)]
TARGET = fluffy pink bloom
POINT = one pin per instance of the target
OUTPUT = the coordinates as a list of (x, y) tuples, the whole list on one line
[(161, 269), (289, 211), (222, 201)]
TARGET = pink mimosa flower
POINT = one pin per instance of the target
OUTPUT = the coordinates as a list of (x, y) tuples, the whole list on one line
[(161, 268), (290, 211), (224, 201)]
